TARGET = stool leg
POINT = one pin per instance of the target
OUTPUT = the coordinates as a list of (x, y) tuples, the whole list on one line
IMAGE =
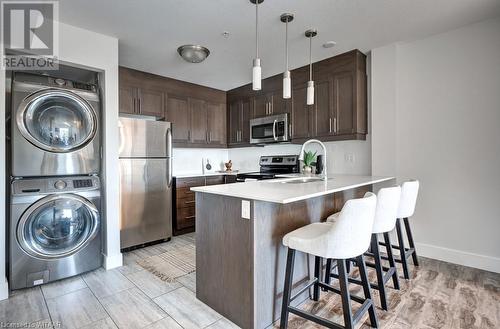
[(402, 250), (348, 266), (317, 275), (366, 290), (344, 293), (410, 240), (392, 262), (379, 271), (287, 290), (328, 271)]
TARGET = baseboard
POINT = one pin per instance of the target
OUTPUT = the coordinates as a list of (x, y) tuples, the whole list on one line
[(482, 262), (4, 289), (113, 261)]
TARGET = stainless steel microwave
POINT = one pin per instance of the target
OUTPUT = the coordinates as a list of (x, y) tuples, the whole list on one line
[(270, 129)]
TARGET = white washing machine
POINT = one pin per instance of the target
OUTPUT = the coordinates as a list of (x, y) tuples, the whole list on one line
[(55, 229), (55, 127)]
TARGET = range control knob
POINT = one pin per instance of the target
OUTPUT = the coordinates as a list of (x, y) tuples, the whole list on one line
[(60, 82), (60, 184)]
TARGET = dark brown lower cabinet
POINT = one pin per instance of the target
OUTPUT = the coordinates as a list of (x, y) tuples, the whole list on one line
[(183, 204)]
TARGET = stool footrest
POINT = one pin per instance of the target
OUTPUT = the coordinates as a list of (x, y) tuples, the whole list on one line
[(337, 291), (314, 318), (362, 310), (301, 291)]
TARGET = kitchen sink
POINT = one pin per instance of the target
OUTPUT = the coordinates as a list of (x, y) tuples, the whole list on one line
[(302, 180)]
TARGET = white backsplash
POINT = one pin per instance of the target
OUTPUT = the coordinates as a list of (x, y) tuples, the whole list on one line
[(190, 161), (344, 157)]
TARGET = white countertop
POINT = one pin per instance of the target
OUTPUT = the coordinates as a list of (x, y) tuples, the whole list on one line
[(274, 190)]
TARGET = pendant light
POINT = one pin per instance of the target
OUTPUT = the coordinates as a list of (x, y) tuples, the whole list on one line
[(287, 82), (310, 84), (256, 71)]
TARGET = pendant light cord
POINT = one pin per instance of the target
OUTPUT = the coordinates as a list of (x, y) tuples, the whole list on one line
[(286, 45), (310, 59), (257, 29)]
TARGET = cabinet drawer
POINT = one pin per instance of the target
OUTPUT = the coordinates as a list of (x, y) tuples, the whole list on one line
[(214, 180), (190, 182), (184, 192), (185, 217), (185, 202)]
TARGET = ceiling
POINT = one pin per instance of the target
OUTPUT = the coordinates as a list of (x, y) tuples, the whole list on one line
[(151, 30)]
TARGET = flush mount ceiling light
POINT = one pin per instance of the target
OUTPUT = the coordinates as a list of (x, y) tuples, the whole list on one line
[(310, 84), (256, 70), (287, 82), (193, 53)]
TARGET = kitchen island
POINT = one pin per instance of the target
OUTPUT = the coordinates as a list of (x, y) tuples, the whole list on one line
[(240, 261)]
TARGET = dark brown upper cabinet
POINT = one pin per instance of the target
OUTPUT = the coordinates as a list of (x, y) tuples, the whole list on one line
[(140, 97), (240, 112), (179, 115), (216, 126)]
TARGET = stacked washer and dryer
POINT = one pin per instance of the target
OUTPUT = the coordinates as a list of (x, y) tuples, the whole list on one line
[(55, 211)]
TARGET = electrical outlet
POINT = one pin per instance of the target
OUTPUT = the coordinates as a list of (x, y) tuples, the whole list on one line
[(349, 158), (245, 209)]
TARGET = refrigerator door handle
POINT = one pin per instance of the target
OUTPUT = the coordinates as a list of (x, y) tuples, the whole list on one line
[(169, 158)]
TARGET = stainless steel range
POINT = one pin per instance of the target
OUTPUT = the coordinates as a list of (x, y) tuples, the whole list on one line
[(272, 166)]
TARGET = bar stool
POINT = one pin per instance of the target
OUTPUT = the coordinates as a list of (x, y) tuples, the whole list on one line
[(347, 238), (409, 193), (385, 220)]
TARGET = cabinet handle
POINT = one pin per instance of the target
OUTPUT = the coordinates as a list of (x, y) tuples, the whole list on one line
[(189, 217), (140, 106), (210, 137), (189, 202), (290, 130), (271, 108), (267, 109), (330, 124), (335, 125)]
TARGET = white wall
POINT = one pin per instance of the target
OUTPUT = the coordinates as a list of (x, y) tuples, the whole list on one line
[(438, 99), (98, 52)]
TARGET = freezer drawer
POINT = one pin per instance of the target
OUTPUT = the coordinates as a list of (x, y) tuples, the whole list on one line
[(145, 201)]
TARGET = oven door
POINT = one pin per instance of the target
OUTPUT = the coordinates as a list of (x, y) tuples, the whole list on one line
[(271, 129)]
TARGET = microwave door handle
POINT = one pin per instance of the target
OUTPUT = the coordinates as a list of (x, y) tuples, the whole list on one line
[(274, 130)]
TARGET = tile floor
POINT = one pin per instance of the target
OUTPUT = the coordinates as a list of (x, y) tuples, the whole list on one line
[(440, 295)]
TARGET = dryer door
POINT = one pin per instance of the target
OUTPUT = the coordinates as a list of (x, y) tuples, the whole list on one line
[(56, 120), (57, 226)]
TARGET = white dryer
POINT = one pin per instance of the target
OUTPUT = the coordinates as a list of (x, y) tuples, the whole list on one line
[(55, 127)]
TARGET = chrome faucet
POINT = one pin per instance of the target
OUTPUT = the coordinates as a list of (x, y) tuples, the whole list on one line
[(301, 155)]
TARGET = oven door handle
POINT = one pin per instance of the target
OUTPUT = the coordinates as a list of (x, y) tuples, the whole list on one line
[(274, 130)]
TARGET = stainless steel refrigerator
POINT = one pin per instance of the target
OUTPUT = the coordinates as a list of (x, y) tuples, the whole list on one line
[(145, 181)]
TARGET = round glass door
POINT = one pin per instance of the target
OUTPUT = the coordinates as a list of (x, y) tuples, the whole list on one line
[(57, 120), (57, 226)]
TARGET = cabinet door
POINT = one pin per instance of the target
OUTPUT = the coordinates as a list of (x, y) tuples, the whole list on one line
[(343, 102), (152, 102), (261, 106), (323, 108), (216, 124), (234, 122), (300, 114), (199, 121), (127, 99), (178, 115), (279, 104), (246, 115)]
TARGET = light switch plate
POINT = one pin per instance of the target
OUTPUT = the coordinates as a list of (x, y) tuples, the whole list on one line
[(245, 209)]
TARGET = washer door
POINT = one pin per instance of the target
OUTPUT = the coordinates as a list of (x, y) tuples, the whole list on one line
[(57, 226), (56, 120)]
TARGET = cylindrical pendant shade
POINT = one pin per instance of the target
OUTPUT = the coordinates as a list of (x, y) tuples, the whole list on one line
[(287, 85), (310, 92), (256, 75)]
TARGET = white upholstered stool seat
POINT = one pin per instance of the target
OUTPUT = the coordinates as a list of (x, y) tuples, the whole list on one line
[(347, 238)]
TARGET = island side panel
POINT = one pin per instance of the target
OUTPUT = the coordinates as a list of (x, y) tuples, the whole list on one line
[(224, 258)]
